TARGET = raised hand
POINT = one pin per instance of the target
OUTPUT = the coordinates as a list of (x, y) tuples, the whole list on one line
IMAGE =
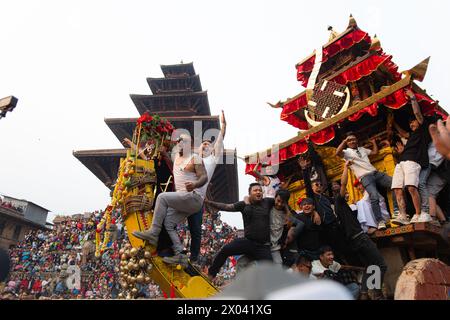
[(222, 119), (410, 94), (303, 163), (440, 134), (127, 142), (316, 218)]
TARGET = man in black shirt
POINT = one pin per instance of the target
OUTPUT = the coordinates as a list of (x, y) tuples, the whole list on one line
[(306, 230), (256, 241), (359, 242), (331, 233), (413, 158)]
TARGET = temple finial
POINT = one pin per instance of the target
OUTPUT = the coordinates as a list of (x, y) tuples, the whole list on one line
[(333, 34), (352, 22), (419, 71), (376, 44)]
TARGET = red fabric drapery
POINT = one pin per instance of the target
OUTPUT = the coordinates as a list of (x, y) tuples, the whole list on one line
[(372, 110), (290, 108), (367, 67), (331, 50), (323, 136), (299, 147), (295, 121)]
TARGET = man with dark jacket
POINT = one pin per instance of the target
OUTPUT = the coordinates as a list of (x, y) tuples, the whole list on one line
[(256, 241), (359, 242)]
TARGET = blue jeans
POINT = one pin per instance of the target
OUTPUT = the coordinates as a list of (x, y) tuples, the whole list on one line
[(172, 208), (195, 228), (354, 289), (370, 182), (423, 190)]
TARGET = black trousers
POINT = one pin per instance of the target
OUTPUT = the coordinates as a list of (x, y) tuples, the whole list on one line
[(368, 254), (241, 246), (195, 228), (333, 236)]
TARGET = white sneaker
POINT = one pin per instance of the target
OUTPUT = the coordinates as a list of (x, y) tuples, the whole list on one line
[(395, 214), (403, 220), (415, 219), (381, 225), (425, 217)]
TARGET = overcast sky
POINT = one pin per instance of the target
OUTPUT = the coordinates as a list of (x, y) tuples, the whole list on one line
[(73, 63)]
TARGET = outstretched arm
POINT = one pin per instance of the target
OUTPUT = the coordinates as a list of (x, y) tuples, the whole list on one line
[(441, 137), (344, 178), (341, 147), (415, 105), (221, 206), (306, 179), (128, 143), (218, 146), (260, 177)]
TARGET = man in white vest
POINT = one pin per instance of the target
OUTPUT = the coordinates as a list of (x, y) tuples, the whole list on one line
[(171, 208)]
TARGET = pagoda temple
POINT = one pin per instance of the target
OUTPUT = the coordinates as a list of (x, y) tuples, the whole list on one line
[(179, 97)]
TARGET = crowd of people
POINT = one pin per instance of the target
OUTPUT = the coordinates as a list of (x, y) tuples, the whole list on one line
[(327, 238), (40, 263), (327, 225), (9, 205)]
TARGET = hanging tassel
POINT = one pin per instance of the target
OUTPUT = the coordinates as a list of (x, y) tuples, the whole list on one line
[(172, 291)]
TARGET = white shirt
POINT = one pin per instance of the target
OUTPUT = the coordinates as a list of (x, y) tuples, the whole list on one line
[(361, 164), (318, 268), (210, 163), (272, 188), (434, 156), (277, 220), (182, 176)]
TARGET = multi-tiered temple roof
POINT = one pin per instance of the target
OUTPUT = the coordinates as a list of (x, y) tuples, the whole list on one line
[(178, 97)]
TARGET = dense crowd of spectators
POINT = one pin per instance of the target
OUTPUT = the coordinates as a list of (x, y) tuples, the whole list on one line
[(41, 261), (9, 205)]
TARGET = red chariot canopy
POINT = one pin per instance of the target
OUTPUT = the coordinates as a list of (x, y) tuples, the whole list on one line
[(304, 69)]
